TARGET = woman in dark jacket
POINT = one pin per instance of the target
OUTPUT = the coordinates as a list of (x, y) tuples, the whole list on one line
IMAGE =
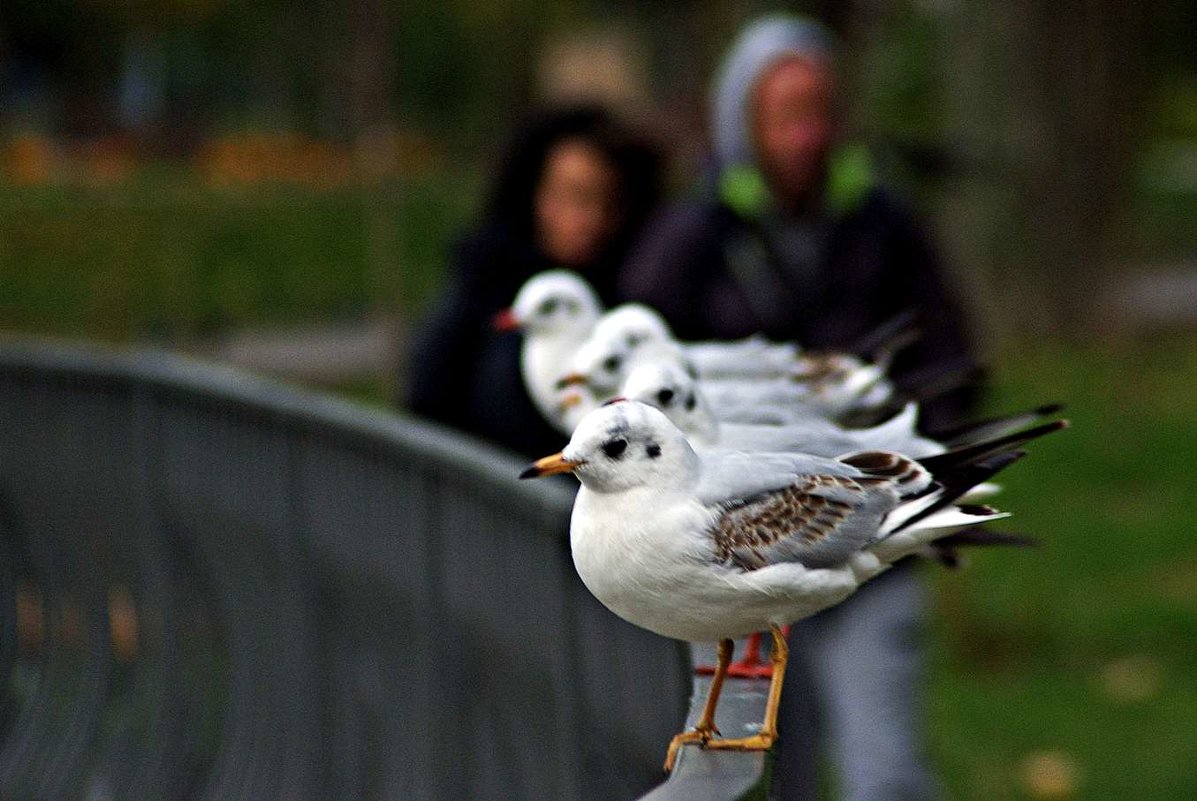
[(573, 191)]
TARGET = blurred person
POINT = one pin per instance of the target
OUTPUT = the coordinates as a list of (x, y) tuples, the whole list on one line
[(572, 191), (793, 237)]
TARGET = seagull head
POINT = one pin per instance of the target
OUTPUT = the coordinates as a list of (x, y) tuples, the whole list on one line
[(554, 302), (622, 338), (599, 365), (670, 387), (622, 446), (633, 325)]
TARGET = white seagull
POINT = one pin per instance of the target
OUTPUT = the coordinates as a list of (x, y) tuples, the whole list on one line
[(711, 547), (746, 380), (624, 330), (556, 310), (671, 389)]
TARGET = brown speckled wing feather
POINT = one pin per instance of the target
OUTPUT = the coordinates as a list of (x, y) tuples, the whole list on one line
[(819, 368), (819, 520)]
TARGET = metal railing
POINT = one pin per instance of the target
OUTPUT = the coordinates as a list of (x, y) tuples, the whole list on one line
[(213, 586)]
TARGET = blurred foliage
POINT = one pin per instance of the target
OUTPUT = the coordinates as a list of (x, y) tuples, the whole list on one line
[(1045, 138), (896, 82), (449, 68), (168, 258), (249, 238)]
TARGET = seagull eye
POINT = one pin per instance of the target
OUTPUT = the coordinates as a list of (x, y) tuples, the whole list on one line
[(665, 397), (614, 448), (548, 307), (611, 364), (653, 450), (691, 402), (634, 340)]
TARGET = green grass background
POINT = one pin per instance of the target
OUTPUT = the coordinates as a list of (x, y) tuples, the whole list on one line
[(1081, 654), (1086, 648)]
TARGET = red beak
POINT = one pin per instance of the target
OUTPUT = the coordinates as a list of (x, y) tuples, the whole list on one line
[(505, 321)]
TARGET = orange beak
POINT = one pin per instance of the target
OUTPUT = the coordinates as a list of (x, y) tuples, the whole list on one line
[(570, 401), (548, 466), (572, 380), (505, 321)]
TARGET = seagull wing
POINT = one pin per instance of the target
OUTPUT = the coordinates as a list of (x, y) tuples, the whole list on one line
[(819, 521), (727, 477), (832, 509)]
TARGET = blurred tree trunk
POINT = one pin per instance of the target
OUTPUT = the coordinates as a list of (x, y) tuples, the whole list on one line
[(357, 61), (371, 59), (1047, 103)]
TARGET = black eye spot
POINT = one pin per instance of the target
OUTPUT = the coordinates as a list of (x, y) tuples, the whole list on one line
[(611, 364), (548, 307), (665, 397), (653, 450), (691, 402), (633, 340), (614, 448)]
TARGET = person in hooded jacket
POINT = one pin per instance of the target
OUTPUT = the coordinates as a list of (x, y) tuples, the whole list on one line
[(572, 191), (794, 238)]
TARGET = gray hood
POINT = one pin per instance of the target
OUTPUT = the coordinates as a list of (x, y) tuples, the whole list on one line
[(759, 46)]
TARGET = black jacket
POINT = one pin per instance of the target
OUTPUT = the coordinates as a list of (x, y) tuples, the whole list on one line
[(715, 274), (462, 372)]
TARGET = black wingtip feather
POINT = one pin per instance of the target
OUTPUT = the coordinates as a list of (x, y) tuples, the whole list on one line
[(985, 428), (969, 454)]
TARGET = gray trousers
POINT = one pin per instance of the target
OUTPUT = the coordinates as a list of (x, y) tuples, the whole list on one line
[(855, 686)]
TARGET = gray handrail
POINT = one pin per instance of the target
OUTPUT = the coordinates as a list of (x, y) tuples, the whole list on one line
[(216, 586)]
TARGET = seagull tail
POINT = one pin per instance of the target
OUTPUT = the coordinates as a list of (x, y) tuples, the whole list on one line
[(888, 339), (920, 387), (945, 464), (946, 550), (898, 428), (993, 427), (949, 487), (957, 473)]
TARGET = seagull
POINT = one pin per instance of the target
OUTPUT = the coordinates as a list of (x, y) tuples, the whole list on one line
[(746, 379), (671, 389), (624, 330), (703, 547), (556, 310)]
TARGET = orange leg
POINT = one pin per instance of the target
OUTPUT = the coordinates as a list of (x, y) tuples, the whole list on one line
[(705, 729), (764, 739), (749, 666)]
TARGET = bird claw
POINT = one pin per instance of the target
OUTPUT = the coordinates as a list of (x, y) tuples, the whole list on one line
[(758, 742), (700, 736)]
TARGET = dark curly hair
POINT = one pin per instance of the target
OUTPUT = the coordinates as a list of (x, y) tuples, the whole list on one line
[(636, 162)]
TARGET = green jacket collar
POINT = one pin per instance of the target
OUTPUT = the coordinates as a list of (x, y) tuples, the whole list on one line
[(850, 177)]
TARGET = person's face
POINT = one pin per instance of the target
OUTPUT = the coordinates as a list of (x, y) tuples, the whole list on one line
[(793, 124), (575, 203)]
